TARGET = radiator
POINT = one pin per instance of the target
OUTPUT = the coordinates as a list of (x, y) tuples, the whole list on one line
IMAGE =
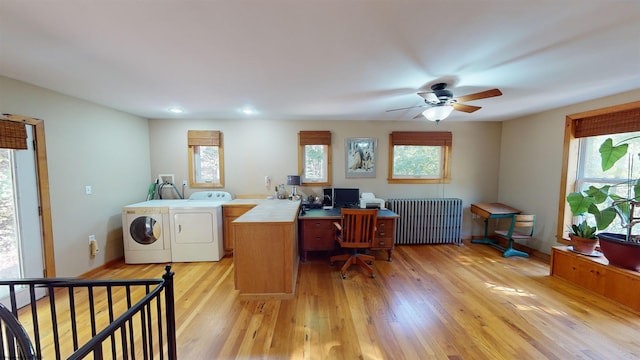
[(428, 221)]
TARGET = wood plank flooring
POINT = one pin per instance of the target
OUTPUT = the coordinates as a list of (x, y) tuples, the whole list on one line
[(431, 302)]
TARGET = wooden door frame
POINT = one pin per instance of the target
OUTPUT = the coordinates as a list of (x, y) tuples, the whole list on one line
[(43, 189)]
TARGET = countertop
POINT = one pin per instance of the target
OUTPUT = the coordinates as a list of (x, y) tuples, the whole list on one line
[(267, 211)]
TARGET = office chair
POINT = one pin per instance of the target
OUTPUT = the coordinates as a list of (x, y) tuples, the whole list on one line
[(522, 227), (356, 230)]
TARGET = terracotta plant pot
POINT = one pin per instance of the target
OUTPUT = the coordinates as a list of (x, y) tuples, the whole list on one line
[(621, 253), (583, 245)]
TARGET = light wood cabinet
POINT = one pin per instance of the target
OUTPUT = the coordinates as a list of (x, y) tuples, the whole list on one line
[(266, 255), (595, 274), (623, 288), (229, 214)]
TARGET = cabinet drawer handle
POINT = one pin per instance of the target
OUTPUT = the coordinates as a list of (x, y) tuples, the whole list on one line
[(381, 243), (381, 233), (318, 238)]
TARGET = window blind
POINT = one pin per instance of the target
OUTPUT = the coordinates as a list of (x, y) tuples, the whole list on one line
[(421, 138), (623, 121), (13, 135), (204, 138), (315, 137)]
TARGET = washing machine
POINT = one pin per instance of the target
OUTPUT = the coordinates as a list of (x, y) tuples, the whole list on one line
[(196, 227), (145, 232)]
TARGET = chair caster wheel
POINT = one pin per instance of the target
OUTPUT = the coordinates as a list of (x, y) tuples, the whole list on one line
[(370, 262), (373, 276), (344, 276)]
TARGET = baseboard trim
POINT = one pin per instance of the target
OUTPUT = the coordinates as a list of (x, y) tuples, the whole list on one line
[(112, 263)]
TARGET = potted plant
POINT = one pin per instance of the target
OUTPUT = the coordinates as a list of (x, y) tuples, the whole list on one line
[(583, 237), (605, 203)]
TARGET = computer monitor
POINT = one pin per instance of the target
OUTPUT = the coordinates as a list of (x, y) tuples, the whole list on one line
[(346, 197)]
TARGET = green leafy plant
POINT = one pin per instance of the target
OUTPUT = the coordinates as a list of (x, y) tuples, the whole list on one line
[(583, 230), (586, 202)]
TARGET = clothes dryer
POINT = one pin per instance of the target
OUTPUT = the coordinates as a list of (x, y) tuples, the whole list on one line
[(145, 231), (196, 227)]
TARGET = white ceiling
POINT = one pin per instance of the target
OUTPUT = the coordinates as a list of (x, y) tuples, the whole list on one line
[(322, 59)]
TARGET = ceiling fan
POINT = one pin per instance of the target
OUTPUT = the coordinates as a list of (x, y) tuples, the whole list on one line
[(441, 103)]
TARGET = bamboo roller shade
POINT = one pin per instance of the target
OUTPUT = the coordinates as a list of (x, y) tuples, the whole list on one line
[(204, 138), (421, 138), (314, 137), (612, 123), (13, 135)]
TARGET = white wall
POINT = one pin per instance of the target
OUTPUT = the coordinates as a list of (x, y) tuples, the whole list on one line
[(92, 145), (256, 148), (531, 163), (119, 155)]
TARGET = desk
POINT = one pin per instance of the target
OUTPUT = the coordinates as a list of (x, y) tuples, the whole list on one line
[(494, 211), (316, 230)]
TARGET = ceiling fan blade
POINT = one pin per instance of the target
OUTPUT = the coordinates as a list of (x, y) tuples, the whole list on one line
[(406, 108), (480, 95), (430, 96), (466, 108)]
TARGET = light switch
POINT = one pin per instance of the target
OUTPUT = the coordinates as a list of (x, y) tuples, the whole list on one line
[(88, 190)]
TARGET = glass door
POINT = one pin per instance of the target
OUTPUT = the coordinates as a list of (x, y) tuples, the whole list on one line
[(20, 230)]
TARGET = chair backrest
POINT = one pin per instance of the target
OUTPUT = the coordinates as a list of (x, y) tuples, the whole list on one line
[(523, 222), (358, 226)]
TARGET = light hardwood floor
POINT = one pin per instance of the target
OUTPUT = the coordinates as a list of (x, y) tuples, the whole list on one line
[(431, 302)]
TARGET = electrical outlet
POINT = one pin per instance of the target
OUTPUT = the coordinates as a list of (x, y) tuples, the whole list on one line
[(88, 190), (184, 183), (166, 178), (93, 246)]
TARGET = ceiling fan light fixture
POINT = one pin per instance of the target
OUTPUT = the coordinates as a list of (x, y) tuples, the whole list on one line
[(438, 112)]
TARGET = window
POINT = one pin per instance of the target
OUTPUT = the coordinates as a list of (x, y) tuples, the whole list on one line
[(206, 161), (419, 157), (584, 132), (314, 157), (590, 171)]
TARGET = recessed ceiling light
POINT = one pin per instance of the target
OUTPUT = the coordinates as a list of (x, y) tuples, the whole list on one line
[(176, 110), (248, 110)]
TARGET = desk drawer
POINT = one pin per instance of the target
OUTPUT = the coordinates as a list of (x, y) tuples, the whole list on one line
[(317, 235), (384, 233), (384, 228), (382, 243)]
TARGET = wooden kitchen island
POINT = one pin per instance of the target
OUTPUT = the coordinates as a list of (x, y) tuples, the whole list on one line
[(265, 253)]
